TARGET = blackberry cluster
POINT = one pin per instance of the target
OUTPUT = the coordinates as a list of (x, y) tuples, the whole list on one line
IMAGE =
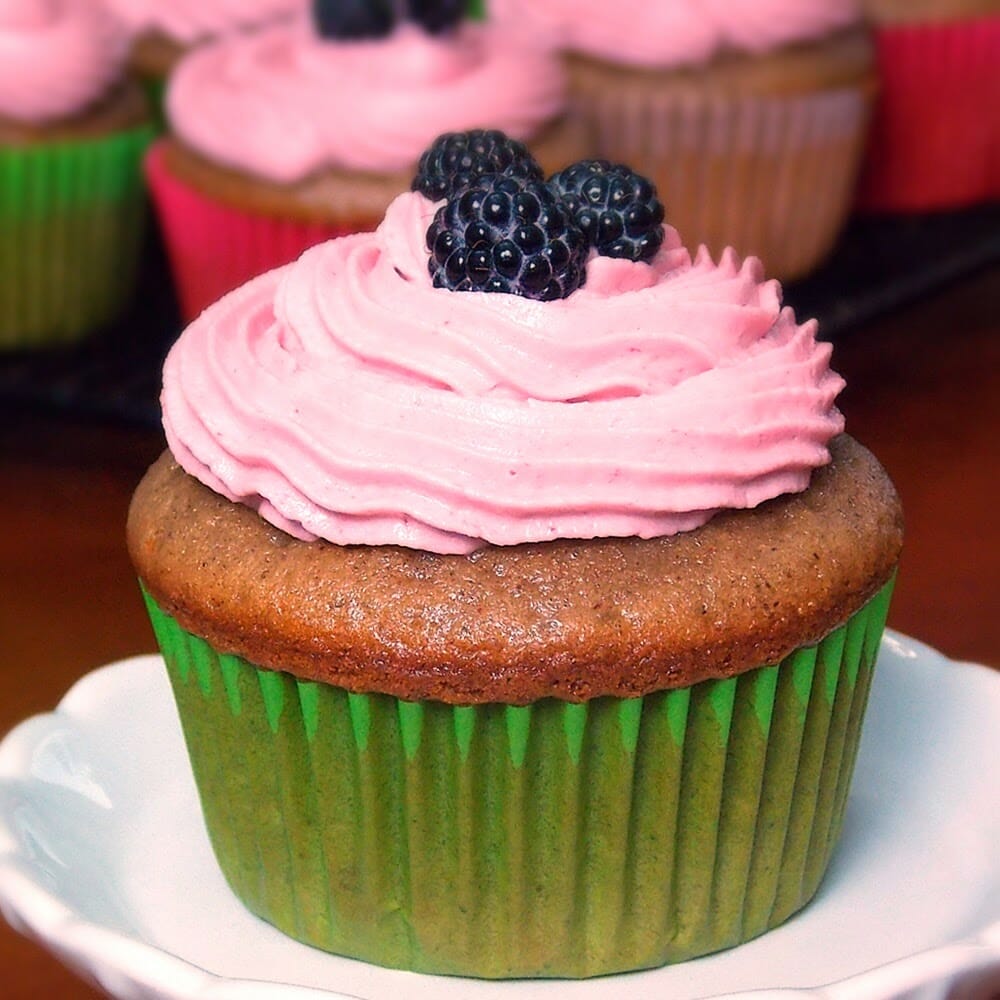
[(353, 19), (357, 19), (456, 160), (504, 229), (436, 16), (616, 208), (507, 234)]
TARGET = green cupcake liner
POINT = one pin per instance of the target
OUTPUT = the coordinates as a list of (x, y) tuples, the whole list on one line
[(71, 223), (555, 839)]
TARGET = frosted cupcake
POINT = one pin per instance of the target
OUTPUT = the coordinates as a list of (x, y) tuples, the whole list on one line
[(72, 135), (302, 132), (749, 116), (935, 140), (520, 601), (162, 31)]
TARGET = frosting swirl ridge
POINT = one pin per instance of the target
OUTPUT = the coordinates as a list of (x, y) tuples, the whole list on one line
[(189, 21), (344, 397), (56, 57), (360, 105), (679, 32)]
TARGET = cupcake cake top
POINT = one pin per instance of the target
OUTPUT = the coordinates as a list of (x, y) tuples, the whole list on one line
[(57, 57), (188, 21), (362, 95), (519, 361), (676, 32)]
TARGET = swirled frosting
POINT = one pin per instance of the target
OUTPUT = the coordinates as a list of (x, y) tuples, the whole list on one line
[(360, 105), (188, 21), (345, 397), (675, 32), (56, 57)]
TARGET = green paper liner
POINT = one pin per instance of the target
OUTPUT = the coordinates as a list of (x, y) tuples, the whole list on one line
[(71, 223), (555, 839)]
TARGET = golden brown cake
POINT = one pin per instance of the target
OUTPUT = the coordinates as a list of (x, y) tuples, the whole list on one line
[(574, 620), (154, 54)]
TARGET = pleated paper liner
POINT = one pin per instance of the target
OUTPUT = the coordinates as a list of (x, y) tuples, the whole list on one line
[(214, 246), (72, 216), (935, 139), (555, 839), (772, 176)]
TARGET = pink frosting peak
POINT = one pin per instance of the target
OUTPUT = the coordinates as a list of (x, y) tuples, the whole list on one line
[(675, 32), (361, 105), (345, 397), (188, 21), (56, 57)]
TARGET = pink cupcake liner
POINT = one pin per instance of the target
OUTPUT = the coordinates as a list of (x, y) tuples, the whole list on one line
[(215, 247), (935, 140)]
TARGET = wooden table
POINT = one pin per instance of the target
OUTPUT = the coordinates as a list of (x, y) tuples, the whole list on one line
[(924, 395)]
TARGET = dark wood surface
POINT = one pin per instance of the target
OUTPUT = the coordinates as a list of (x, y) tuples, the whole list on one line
[(923, 393)]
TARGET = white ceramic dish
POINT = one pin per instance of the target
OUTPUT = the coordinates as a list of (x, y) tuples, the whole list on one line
[(104, 859)]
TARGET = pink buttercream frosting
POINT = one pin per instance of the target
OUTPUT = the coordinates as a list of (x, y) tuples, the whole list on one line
[(56, 57), (675, 32), (345, 397), (188, 21), (360, 105)]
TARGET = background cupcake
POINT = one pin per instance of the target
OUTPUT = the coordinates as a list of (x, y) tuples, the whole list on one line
[(72, 135), (300, 132), (749, 116), (161, 31), (935, 140), (524, 631)]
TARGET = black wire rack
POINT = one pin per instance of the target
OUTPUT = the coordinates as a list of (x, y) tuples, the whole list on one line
[(880, 265)]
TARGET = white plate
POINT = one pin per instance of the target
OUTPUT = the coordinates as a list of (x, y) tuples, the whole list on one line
[(103, 857)]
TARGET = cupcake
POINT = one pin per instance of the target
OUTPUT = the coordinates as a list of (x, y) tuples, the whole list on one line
[(162, 32), (750, 117), (72, 135), (305, 131), (935, 139), (520, 601)]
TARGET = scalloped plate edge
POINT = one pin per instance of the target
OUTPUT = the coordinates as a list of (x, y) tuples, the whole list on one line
[(132, 969)]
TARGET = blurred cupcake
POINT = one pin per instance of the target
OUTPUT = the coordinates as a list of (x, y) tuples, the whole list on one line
[(935, 140), (749, 116), (288, 136), (163, 30), (72, 136)]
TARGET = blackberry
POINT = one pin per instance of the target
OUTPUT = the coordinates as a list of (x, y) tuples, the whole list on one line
[(507, 234), (616, 208), (457, 159), (353, 19), (436, 16)]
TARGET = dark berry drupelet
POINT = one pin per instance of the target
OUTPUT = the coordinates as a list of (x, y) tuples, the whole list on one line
[(436, 16), (616, 208), (353, 19), (457, 159), (506, 234)]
